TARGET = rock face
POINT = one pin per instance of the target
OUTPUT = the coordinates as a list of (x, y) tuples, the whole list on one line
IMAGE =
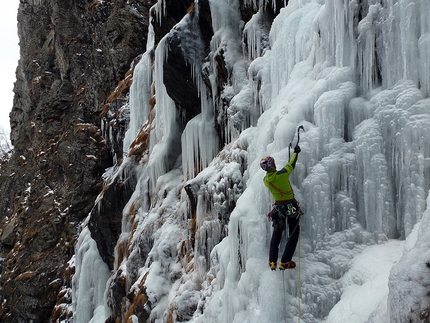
[(73, 55), (75, 70)]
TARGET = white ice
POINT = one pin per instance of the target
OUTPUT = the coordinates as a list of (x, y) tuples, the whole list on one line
[(362, 177)]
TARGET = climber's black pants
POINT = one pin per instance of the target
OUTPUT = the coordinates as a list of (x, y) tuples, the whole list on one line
[(294, 230)]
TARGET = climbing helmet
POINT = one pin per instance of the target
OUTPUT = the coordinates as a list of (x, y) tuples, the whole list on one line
[(267, 163)]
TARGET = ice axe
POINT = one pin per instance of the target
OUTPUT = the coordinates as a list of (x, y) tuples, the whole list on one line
[(298, 133), (298, 140)]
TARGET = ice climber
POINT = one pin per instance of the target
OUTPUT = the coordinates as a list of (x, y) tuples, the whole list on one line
[(286, 209)]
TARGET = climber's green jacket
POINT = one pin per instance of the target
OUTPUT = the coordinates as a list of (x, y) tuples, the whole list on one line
[(278, 182)]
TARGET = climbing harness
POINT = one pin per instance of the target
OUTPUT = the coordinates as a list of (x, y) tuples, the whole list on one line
[(285, 209)]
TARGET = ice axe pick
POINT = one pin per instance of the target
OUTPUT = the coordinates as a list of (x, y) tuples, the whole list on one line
[(298, 140), (298, 133)]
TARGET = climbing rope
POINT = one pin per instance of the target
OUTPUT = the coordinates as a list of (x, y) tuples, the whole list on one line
[(298, 274), (283, 287), (298, 281)]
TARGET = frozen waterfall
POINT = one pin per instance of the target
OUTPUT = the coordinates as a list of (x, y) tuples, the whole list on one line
[(356, 74)]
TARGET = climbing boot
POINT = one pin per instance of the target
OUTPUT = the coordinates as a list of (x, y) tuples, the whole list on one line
[(287, 265), (272, 265)]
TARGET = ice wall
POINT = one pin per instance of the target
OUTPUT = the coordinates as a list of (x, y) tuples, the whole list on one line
[(356, 75), (362, 177)]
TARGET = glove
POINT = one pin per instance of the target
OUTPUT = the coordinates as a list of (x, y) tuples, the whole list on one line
[(297, 149)]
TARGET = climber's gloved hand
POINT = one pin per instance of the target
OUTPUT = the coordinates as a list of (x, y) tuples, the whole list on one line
[(297, 149)]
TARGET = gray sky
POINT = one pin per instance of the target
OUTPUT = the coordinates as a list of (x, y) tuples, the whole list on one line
[(9, 56)]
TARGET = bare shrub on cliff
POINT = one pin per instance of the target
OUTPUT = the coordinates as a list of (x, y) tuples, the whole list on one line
[(5, 145)]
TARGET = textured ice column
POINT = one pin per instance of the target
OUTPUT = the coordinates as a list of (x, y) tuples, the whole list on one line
[(89, 280), (357, 110), (165, 138), (200, 145), (140, 93), (208, 235), (367, 34), (330, 111), (409, 35), (334, 39), (199, 140), (291, 38), (402, 116), (243, 112), (389, 43), (225, 13), (424, 46), (375, 199), (424, 68), (412, 149), (317, 190), (403, 57)]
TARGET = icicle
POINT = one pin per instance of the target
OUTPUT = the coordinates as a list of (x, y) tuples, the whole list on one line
[(160, 10), (164, 139), (367, 41), (140, 93), (424, 68), (252, 31), (150, 42), (200, 142)]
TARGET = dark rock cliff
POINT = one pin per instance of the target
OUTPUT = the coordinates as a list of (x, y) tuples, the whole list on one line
[(74, 74), (73, 54)]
